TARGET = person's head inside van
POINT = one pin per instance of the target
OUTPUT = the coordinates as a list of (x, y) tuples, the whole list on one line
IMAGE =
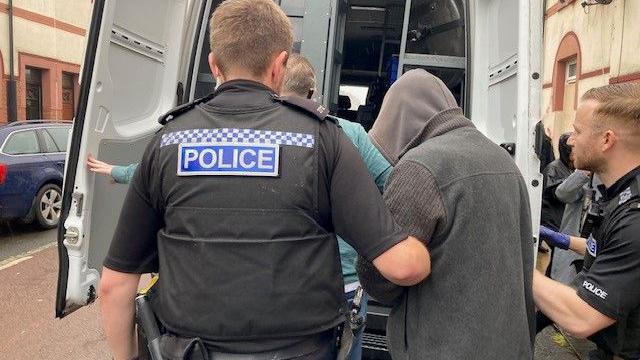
[(241, 49), (299, 78)]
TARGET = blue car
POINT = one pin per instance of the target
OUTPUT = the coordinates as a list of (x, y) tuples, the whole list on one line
[(32, 158)]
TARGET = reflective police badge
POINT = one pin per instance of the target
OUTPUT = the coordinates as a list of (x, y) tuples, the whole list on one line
[(624, 196), (224, 158), (592, 246), (230, 151)]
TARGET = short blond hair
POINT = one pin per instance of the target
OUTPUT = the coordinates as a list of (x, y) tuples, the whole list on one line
[(248, 34), (299, 76), (618, 108)]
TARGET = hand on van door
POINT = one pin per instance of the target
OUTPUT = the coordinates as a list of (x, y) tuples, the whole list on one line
[(119, 174), (99, 167)]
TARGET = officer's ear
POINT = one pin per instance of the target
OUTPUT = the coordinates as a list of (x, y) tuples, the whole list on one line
[(215, 70), (608, 140), (278, 68)]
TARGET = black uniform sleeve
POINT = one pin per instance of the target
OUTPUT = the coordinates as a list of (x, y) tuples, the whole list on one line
[(611, 285), (134, 245), (358, 212)]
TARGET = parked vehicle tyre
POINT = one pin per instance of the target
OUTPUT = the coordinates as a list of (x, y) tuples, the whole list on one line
[(48, 206)]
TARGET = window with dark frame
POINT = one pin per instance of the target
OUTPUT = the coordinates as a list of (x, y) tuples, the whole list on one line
[(33, 94), (68, 96)]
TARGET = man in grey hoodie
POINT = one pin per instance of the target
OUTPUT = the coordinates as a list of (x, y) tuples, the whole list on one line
[(465, 198)]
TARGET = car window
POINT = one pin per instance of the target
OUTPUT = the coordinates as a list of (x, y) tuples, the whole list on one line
[(22, 142), (49, 144), (60, 136)]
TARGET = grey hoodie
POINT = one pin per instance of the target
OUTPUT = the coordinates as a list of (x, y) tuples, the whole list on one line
[(464, 197)]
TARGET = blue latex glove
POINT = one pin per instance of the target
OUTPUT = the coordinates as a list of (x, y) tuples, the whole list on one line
[(555, 238)]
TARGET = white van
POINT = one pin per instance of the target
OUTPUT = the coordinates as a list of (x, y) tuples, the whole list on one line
[(144, 57)]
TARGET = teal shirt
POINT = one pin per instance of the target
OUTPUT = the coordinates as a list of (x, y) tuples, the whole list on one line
[(123, 174), (378, 167)]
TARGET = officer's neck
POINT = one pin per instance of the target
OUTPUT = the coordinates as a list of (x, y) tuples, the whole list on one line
[(618, 166), (265, 80)]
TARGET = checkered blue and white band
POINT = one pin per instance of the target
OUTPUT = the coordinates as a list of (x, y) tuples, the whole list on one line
[(240, 136)]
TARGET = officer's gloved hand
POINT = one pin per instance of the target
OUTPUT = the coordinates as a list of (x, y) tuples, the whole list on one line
[(554, 238)]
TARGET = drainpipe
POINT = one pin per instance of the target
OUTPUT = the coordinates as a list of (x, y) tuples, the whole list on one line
[(12, 95)]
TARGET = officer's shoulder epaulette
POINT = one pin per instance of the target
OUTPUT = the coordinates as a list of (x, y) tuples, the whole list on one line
[(181, 109), (334, 120), (307, 105)]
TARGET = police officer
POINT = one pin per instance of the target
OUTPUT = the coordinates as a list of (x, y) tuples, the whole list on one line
[(236, 204), (604, 303)]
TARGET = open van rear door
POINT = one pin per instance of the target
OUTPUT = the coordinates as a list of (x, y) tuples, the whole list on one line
[(136, 62), (506, 85)]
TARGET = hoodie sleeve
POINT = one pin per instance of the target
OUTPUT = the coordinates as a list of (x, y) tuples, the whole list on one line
[(571, 189), (415, 202)]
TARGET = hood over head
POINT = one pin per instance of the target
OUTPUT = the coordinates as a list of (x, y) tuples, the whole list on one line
[(417, 106), (565, 150)]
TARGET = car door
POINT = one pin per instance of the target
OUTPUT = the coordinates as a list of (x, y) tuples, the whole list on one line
[(24, 165), (137, 57), (56, 139)]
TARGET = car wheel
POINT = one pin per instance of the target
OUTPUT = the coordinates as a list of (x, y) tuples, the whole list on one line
[(48, 206)]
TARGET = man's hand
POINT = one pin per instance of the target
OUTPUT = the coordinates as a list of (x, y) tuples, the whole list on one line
[(99, 167), (555, 238)]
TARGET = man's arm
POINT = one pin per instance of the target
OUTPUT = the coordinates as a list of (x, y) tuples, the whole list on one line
[(117, 294), (398, 263), (563, 305), (361, 218), (416, 204), (563, 241), (379, 168), (123, 174), (133, 251), (571, 189)]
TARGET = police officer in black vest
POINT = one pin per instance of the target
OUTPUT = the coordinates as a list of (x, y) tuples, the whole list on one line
[(236, 204), (604, 303)]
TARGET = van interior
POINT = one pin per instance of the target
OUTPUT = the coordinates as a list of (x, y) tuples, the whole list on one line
[(366, 52)]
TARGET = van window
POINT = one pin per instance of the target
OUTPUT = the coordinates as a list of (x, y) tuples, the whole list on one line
[(436, 28), (357, 95), (22, 143), (206, 83)]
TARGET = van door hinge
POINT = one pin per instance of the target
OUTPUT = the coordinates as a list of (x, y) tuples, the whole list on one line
[(78, 197)]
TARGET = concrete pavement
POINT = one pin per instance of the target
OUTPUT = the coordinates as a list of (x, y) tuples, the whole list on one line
[(17, 239), (29, 329)]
